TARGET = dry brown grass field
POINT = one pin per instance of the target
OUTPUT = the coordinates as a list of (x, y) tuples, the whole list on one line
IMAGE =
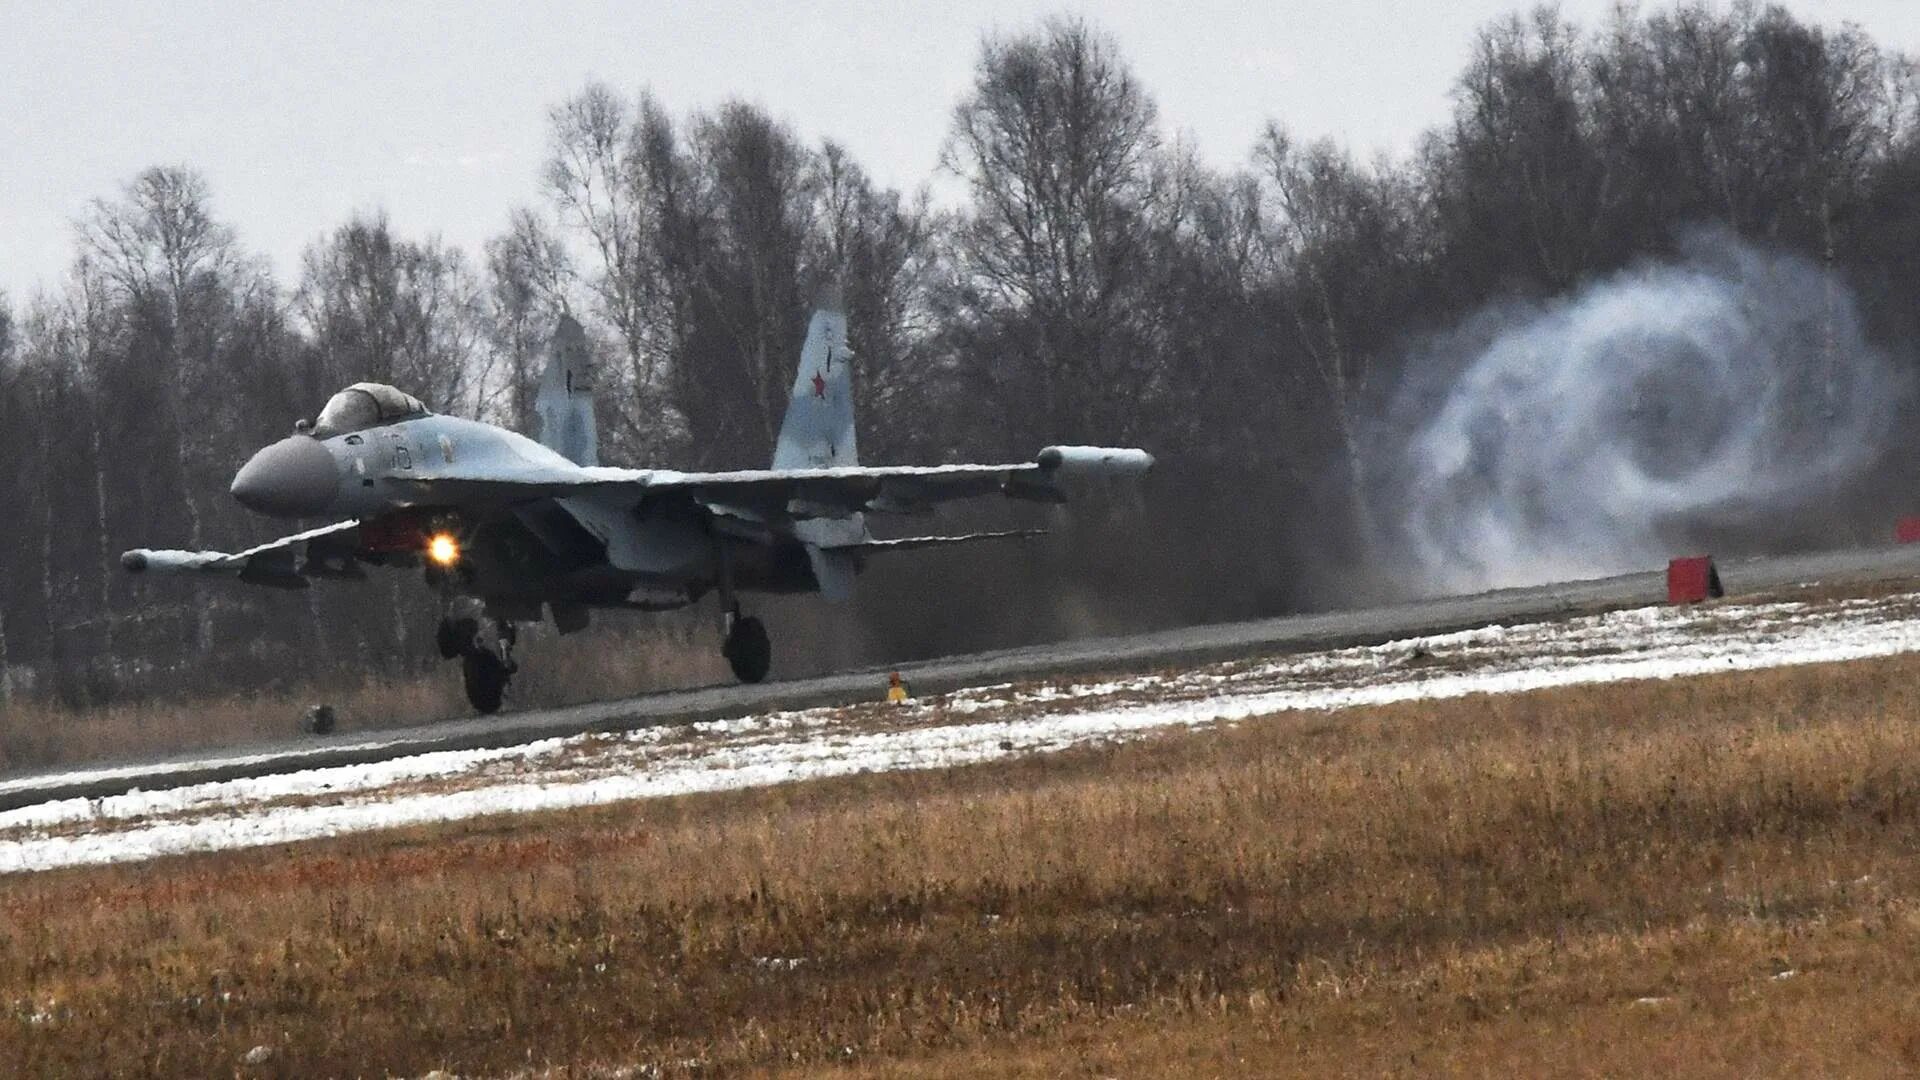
[(555, 672), (1716, 876)]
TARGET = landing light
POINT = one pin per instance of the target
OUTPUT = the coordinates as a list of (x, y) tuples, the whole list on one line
[(443, 549)]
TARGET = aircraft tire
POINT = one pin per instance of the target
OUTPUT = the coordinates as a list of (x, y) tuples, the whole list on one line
[(485, 676), (318, 721), (748, 650)]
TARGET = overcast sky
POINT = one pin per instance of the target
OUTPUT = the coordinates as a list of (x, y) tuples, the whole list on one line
[(299, 114)]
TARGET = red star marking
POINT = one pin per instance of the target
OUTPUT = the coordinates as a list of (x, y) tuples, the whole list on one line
[(819, 385)]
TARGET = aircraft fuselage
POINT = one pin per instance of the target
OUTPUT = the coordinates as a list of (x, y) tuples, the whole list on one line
[(513, 552)]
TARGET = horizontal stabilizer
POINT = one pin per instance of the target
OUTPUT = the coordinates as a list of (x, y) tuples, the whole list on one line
[(912, 543)]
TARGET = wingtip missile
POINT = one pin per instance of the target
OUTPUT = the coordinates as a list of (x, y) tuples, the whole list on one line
[(143, 560), (1092, 461)]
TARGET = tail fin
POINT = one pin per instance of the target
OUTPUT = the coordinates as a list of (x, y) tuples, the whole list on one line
[(818, 430), (565, 400), (818, 434)]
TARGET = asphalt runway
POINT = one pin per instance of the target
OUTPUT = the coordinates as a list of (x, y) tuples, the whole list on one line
[(1186, 646)]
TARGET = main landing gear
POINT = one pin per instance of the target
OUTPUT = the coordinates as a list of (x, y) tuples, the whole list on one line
[(744, 643), (747, 649), (485, 649)]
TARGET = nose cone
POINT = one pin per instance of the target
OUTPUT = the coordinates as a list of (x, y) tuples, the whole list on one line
[(294, 477)]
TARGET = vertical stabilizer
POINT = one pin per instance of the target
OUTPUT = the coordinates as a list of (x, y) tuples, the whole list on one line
[(818, 434), (818, 430), (565, 400)]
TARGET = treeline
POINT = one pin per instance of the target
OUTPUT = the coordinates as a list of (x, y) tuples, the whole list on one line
[(1096, 283)]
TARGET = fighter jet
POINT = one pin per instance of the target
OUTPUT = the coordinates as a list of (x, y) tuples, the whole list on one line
[(507, 529)]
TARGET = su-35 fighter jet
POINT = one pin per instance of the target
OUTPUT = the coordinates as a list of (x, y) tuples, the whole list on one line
[(505, 526)]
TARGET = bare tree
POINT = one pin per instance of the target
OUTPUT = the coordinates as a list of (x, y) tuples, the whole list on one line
[(1069, 179), (160, 238), (751, 287), (529, 275), (387, 310), (155, 284), (1516, 179), (619, 178), (8, 335), (146, 309), (882, 250), (1342, 240), (12, 471), (1226, 391)]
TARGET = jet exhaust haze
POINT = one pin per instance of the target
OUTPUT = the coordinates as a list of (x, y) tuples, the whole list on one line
[(1726, 397)]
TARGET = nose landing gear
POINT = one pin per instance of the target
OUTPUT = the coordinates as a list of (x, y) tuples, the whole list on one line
[(485, 676), (485, 649)]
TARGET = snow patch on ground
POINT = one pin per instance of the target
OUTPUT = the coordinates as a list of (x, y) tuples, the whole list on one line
[(966, 727)]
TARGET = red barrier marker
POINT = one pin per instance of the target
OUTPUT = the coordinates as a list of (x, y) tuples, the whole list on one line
[(1907, 530), (1693, 579)]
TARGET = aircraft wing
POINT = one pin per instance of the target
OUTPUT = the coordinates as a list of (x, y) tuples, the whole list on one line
[(803, 493), (917, 543), (285, 563)]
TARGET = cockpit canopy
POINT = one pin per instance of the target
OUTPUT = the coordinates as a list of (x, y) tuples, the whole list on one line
[(364, 405)]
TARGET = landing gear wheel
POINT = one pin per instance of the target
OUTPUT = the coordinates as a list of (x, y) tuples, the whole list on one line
[(485, 676), (748, 650), (319, 720)]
